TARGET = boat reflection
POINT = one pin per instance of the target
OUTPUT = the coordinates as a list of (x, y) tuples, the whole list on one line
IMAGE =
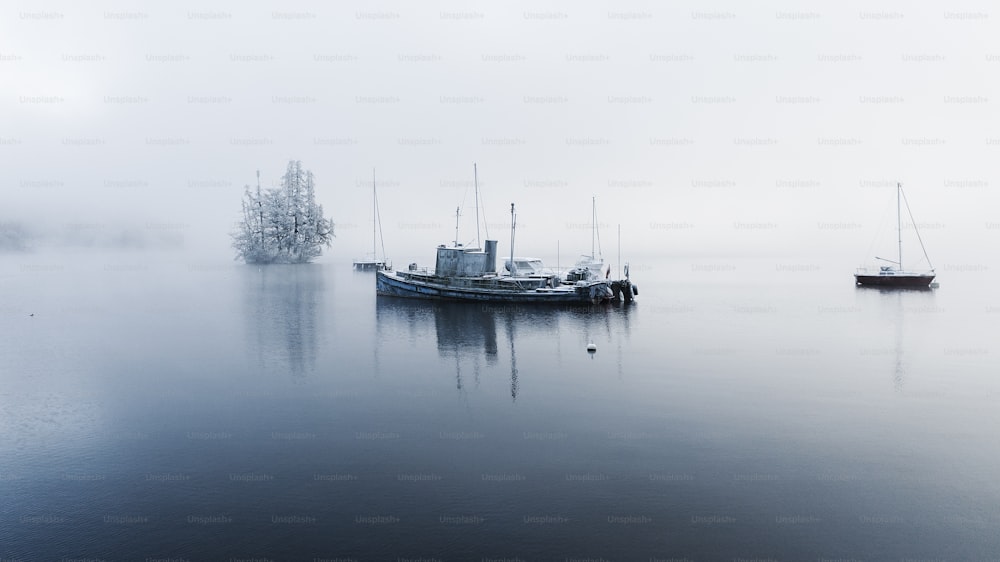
[(480, 337), (891, 290), (901, 306)]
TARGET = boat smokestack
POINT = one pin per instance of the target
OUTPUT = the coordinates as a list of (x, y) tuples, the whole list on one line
[(491, 257)]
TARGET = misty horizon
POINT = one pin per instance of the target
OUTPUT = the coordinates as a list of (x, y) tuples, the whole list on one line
[(727, 131)]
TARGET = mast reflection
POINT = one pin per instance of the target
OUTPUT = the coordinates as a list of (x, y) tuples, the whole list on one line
[(901, 306), (469, 334)]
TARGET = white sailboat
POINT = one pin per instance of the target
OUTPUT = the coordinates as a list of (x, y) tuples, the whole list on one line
[(894, 275), (371, 262), (590, 266)]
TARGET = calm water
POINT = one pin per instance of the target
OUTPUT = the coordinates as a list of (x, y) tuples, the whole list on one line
[(206, 411)]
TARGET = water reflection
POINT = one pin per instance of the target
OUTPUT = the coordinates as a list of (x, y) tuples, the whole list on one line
[(281, 305), (901, 306), (469, 335), (513, 360), (466, 334)]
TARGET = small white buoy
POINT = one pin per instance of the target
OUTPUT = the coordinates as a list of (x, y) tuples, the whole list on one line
[(591, 347)]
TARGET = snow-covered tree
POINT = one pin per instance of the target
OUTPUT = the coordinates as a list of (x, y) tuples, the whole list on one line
[(13, 237), (283, 224)]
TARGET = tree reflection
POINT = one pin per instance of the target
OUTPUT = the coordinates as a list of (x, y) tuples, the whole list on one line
[(282, 303)]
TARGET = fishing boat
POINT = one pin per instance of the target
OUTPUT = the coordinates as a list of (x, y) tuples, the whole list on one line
[(894, 275), (371, 262), (470, 274), (464, 273)]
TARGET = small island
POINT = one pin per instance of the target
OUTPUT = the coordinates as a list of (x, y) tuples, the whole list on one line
[(282, 224)]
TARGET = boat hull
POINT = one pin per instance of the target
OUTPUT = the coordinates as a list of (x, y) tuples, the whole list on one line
[(890, 281), (394, 285)]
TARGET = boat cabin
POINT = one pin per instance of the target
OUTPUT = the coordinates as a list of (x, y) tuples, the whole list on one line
[(527, 267), (459, 261)]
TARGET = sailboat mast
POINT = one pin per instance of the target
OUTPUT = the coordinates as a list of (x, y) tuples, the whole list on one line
[(374, 219), (593, 225), (475, 176), (899, 225), (457, 209), (512, 227)]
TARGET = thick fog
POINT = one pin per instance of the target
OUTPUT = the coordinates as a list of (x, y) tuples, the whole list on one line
[(776, 130)]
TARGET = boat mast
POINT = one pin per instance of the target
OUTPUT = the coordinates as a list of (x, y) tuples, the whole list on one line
[(593, 226), (378, 223), (899, 227), (513, 224), (475, 175), (374, 219), (456, 225)]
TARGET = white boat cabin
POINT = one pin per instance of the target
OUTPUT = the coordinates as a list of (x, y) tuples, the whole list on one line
[(527, 267)]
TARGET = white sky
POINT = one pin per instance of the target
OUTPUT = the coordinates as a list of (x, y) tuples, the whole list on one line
[(703, 128)]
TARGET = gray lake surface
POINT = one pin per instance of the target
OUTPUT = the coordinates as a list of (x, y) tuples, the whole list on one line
[(174, 409)]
